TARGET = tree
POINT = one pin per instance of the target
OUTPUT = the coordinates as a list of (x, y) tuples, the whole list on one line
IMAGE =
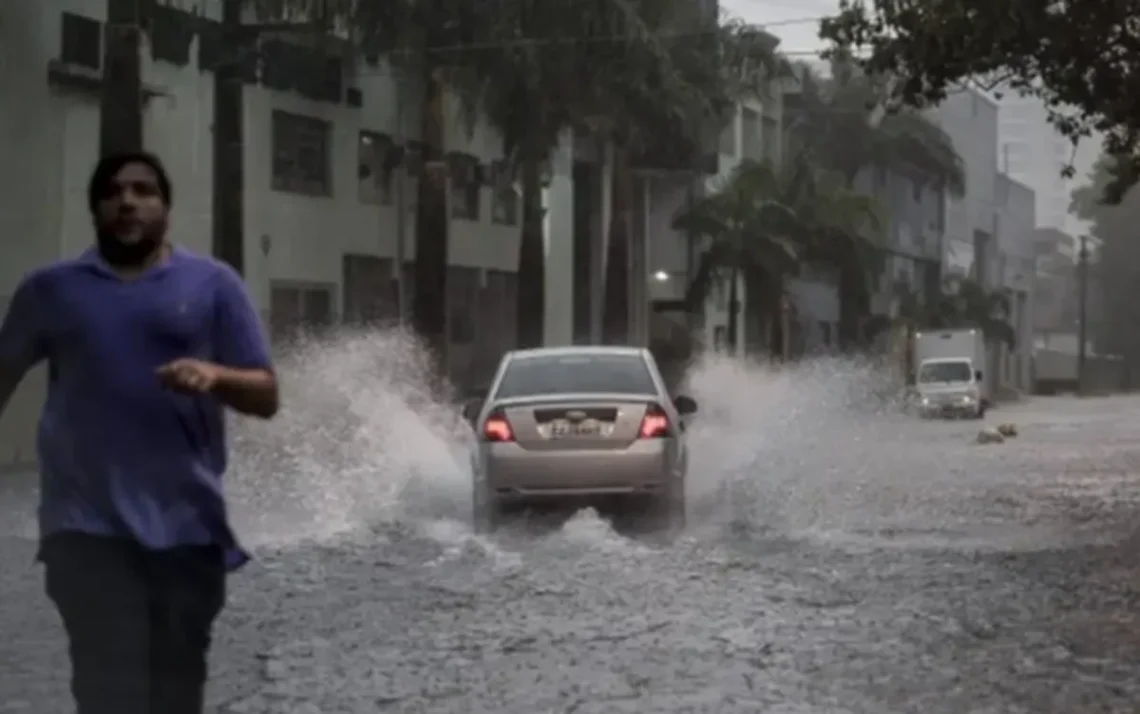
[(961, 302), (1116, 270), (671, 86), (532, 84), (1079, 57), (750, 232), (763, 222), (838, 123)]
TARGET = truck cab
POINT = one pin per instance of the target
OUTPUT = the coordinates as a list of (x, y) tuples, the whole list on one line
[(948, 378), (950, 386)]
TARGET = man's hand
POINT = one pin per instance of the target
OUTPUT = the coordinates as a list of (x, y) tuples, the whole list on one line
[(193, 376)]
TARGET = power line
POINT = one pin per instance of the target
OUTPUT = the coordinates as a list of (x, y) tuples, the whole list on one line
[(554, 41)]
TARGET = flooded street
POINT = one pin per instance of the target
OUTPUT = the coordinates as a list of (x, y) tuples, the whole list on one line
[(870, 566)]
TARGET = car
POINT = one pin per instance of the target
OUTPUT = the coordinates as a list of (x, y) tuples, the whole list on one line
[(578, 423)]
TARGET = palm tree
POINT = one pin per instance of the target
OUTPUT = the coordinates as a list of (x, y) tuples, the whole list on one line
[(673, 85), (841, 123), (533, 90), (751, 231), (765, 222)]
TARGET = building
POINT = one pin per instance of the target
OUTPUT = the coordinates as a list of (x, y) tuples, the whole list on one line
[(1032, 152), (321, 198), (970, 119), (1016, 274), (989, 231)]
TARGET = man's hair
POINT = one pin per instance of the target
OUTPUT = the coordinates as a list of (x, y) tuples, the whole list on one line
[(103, 177)]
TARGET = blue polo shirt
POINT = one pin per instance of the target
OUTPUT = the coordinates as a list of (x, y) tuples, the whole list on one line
[(120, 454)]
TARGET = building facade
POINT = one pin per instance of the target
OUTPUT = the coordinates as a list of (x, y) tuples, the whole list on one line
[(323, 205), (989, 230)]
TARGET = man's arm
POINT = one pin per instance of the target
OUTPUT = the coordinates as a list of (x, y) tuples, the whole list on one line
[(21, 338), (246, 379)]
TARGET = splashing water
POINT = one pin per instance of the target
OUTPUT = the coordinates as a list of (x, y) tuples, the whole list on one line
[(360, 442), (775, 447)]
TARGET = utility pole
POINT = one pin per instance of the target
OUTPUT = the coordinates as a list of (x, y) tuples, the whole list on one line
[(121, 100), (1083, 299)]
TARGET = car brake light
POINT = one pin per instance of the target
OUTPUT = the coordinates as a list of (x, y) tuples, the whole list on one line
[(497, 428), (655, 423)]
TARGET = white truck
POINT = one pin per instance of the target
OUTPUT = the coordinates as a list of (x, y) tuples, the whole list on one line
[(949, 379)]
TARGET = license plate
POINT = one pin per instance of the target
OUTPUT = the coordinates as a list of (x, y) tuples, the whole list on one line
[(562, 429)]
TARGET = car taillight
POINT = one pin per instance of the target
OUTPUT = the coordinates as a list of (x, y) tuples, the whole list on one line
[(655, 423), (497, 428)]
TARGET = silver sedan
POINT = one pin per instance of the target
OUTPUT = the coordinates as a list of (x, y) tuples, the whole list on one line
[(579, 423)]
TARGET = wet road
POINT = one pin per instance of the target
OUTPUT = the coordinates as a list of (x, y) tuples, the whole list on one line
[(889, 566)]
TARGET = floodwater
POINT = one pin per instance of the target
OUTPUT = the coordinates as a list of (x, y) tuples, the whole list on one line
[(840, 557)]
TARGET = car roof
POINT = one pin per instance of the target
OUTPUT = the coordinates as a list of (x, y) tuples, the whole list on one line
[(577, 351)]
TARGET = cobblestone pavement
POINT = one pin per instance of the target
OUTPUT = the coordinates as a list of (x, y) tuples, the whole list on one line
[(888, 566)]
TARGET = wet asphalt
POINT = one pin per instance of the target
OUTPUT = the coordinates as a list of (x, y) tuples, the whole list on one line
[(889, 566)]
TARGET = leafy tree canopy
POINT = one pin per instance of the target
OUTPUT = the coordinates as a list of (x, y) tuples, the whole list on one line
[(1080, 56)]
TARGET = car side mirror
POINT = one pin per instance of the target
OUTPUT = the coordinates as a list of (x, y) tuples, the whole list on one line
[(978, 375), (685, 405)]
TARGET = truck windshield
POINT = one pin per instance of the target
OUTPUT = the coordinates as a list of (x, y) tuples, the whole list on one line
[(945, 372)]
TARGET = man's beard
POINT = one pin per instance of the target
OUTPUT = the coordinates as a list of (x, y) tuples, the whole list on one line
[(121, 254)]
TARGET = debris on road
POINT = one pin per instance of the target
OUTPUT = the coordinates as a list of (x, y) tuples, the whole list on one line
[(1007, 430), (990, 436)]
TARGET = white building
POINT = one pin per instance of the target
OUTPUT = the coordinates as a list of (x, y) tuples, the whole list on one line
[(989, 231), (320, 220)]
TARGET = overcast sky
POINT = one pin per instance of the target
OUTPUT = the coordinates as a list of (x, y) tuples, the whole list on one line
[(795, 22)]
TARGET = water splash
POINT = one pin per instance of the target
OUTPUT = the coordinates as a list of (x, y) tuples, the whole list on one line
[(782, 448), (360, 442)]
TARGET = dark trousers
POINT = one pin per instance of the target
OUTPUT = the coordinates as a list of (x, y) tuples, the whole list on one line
[(138, 622)]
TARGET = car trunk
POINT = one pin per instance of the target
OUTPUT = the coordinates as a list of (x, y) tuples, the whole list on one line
[(578, 424)]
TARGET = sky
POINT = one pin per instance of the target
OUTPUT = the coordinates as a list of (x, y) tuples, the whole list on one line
[(795, 22)]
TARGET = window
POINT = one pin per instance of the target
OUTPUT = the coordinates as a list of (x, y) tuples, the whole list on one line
[(576, 374), (295, 308), (80, 41), (301, 154), (505, 209), (171, 34), (370, 290), (374, 171), (466, 187)]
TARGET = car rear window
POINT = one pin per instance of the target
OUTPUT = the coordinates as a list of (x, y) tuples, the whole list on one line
[(570, 374)]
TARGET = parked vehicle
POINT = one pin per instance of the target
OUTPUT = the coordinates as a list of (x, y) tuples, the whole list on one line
[(949, 378), (579, 423)]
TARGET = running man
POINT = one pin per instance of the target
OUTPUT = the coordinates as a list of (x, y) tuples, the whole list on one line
[(146, 344)]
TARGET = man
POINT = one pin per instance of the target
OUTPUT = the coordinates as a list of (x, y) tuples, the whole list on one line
[(145, 344)]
